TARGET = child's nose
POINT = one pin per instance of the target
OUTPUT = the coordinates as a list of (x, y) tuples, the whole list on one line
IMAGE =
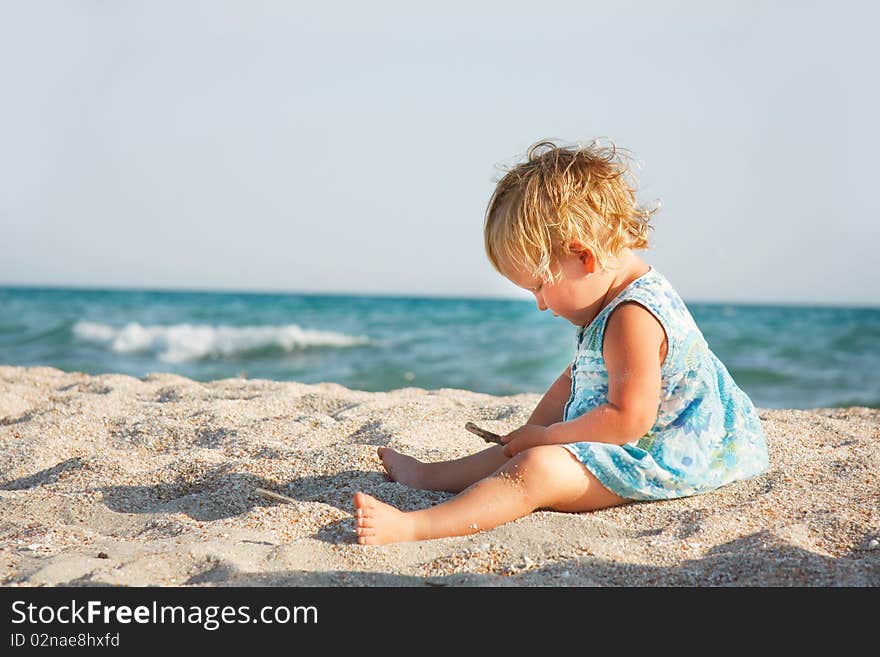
[(541, 305)]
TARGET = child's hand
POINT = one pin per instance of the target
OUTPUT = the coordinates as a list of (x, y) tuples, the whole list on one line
[(528, 435)]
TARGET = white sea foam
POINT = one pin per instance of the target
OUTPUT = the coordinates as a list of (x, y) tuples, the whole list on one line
[(185, 342)]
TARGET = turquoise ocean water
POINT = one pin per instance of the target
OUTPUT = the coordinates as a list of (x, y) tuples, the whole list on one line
[(782, 356)]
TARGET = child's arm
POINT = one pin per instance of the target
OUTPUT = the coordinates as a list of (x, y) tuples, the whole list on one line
[(549, 409), (633, 351)]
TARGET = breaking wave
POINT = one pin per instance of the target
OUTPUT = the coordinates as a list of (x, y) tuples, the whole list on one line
[(188, 342)]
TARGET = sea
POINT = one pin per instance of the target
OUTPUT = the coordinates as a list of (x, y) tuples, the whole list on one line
[(782, 356)]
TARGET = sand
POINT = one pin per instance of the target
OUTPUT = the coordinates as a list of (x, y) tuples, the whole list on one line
[(116, 480)]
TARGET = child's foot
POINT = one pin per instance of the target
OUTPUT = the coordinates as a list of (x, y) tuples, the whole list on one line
[(402, 468), (379, 523)]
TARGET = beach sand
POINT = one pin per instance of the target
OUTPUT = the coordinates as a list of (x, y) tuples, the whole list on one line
[(115, 480)]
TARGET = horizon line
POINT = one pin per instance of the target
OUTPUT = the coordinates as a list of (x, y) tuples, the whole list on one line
[(395, 295)]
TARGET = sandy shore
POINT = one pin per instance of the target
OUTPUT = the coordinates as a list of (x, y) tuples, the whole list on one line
[(115, 480)]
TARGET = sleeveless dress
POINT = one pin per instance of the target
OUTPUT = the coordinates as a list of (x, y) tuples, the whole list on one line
[(707, 433)]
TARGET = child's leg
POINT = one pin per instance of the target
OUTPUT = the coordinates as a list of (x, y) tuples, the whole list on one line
[(451, 476), (542, 477), (455, 476)]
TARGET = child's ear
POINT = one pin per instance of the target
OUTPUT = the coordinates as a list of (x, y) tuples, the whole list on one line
[(585, 254)]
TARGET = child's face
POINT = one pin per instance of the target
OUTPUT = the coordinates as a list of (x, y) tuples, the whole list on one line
[(574, 296)]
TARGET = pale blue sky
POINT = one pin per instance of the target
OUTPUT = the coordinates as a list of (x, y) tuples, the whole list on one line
[(351, 147)]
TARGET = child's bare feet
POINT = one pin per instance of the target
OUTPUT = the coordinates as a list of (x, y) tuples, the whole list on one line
[(379, 523), (402, 468)]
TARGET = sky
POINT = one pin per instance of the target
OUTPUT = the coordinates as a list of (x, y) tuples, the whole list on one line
[(352, 147)]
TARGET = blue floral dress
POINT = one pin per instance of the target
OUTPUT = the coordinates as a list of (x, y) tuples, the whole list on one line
[(707, 433)]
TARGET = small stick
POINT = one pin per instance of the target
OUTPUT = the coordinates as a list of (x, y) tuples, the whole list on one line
[(278, 497), (488, 436)]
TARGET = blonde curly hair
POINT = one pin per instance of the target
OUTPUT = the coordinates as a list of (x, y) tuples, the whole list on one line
[(560, 195)]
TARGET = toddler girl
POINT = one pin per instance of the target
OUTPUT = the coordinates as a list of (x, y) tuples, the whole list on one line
[(644, 412)]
